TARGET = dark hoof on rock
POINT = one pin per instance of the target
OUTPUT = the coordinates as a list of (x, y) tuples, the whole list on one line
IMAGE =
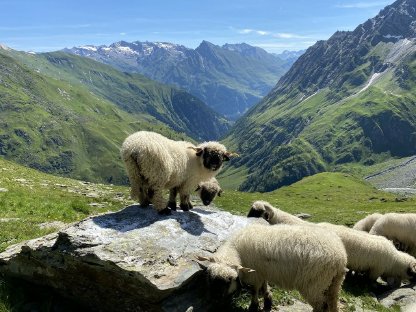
[(184, 207), (165, 212), (172, 205)]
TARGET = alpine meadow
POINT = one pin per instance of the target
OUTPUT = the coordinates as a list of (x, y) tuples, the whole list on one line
[(208, 156)]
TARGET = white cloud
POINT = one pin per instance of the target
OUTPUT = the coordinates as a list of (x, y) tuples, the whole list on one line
[(246, 31), (362, 5), (262, 32), (123, 34), (251, 31), (288, 36)]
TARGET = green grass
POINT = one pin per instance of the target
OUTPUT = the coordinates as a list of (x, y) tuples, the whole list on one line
[(33, 198)]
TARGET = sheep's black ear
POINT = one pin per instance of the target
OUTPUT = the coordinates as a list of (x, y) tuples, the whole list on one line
[(219, 193), (198, 188), (226, 157), (266, 216), (198, 150)]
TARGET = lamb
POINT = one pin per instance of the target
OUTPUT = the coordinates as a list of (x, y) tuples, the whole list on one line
[(399, 227), (306, 258), (263, 209), (154, 163), (208, 190), (375, 255), (367, 223)]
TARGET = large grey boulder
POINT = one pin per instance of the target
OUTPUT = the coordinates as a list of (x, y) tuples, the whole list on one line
[(131, 260)]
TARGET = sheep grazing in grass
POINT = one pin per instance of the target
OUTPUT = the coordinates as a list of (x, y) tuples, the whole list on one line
[(263, 209), (155, 163), (375, 255), (366, 252), (306, 258), (367, 223), (398, 227)]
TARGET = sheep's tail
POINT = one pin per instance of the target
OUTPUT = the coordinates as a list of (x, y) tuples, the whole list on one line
[(332, 293)]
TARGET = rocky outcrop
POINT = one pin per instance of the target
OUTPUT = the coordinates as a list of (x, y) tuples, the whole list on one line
[(131, 260)]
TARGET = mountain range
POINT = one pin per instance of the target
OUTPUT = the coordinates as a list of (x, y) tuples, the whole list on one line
[(347, 101), (229, 78), (68, 115)]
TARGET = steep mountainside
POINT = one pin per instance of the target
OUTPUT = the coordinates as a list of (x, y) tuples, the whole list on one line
[(230, 79), (350, 99), (68, 115)]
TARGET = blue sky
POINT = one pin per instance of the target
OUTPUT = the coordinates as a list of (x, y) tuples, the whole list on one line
[(275, 25)]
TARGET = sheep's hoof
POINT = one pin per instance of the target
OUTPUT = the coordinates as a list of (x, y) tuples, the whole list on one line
[(165, 212), (145, 204), (184, 207), (172, 205), (253, 307), (268, 302)]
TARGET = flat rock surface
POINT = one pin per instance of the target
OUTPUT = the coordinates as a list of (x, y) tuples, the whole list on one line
[(131, 260)]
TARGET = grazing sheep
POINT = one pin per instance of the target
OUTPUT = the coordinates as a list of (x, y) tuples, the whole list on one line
[(367, 223), (366, 252), (155, 163), (263, 209), (307, 258), (398, 227), (375, 255)]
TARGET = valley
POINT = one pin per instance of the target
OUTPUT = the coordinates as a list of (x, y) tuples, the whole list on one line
[(328, 132)]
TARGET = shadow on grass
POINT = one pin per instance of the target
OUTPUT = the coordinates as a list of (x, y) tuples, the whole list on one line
[(20, 296)]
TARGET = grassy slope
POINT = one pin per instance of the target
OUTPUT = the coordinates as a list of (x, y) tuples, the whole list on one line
[(63, 128), (286, 137), (34, 198), (132, 93)]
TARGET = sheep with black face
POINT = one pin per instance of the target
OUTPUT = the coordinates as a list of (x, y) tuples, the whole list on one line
[(155, 163), (307, 258), (208, 190)]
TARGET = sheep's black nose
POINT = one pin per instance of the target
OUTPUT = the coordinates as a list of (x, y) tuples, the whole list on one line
[(206, 202)]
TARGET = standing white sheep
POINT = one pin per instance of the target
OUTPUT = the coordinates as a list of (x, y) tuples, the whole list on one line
[(398, 227), (367, 223), (375, 255), (305, 258), (263, 209), (155, 163)]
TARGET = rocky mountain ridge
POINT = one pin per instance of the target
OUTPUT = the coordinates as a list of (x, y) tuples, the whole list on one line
[(347, 100), (230, 79)]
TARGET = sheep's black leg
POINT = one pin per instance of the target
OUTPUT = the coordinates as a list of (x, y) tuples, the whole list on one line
[(267, 296), (185, 202), (172, 198), (165, 212)]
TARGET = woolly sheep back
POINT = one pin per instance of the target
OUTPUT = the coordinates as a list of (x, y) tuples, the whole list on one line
[(367, 223), (374, 254), (305, 258), (399, 227)]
